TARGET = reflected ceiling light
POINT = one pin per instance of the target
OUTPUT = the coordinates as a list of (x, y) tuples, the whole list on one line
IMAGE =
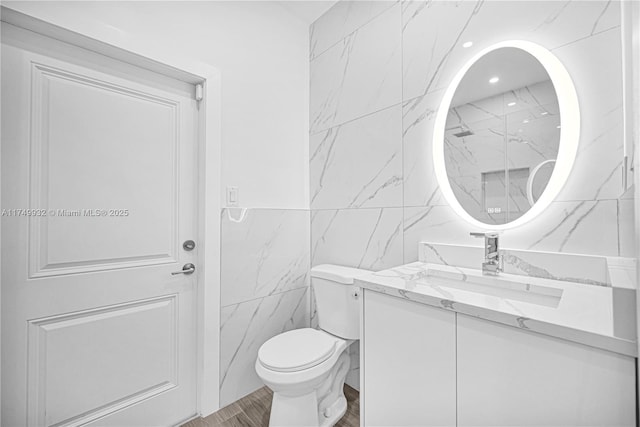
[(511, 104), (467, 44), (525, 142), (544, 113), (558, 127), (494, 80), (525, 121)]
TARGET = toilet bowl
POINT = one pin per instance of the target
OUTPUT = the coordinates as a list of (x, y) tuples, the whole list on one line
[(306, 368)]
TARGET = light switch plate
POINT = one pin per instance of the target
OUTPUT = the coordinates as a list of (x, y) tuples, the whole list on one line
[(233, 197)]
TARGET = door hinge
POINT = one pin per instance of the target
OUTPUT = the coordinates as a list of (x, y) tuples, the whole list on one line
[(199, 93)]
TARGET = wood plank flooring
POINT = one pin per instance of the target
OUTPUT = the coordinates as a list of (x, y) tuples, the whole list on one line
[(253, 411)]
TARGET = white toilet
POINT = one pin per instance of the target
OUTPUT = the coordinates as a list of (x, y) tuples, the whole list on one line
[(306, 368)]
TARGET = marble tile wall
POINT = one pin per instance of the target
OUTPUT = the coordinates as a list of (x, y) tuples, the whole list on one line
[(377, 76), (358, 164), (342, 20), (264, 289), (378, 71), (342, 84)]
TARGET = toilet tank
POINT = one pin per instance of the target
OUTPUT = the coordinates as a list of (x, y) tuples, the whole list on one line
[(337, 303)]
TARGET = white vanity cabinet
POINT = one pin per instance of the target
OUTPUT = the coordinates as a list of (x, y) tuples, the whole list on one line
[(426, 366), (409, 363), (511, 377)]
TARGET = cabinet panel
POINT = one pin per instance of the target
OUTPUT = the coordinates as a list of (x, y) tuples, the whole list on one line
[(512, 377), (409, 363)]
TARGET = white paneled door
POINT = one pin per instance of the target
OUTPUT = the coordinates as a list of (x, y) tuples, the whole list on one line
[(98, 195)]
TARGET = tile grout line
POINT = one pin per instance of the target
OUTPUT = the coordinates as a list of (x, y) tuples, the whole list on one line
[(580, 39), (373, 18), (337, 125), (263, 297)]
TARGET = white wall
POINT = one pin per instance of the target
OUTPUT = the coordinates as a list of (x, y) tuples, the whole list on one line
[(262, 53)]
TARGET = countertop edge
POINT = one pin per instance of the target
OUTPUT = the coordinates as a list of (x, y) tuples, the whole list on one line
[(602, 342)]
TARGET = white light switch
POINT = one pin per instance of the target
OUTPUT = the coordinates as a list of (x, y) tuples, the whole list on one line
[(232, 196)]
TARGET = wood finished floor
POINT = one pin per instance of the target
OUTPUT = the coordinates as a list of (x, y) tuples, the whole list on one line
[(253, 411)]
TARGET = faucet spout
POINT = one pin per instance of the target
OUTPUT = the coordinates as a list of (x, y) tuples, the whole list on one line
[(492, 264)]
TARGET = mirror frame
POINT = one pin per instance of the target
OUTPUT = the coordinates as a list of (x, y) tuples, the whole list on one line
[(569, 133)]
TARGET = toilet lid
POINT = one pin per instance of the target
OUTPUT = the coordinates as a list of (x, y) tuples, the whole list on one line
[(296, 350)]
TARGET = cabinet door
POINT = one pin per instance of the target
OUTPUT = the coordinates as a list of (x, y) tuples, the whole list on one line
[(409, 363), (511, 377)]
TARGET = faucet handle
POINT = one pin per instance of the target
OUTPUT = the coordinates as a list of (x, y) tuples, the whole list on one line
[(490, 234)]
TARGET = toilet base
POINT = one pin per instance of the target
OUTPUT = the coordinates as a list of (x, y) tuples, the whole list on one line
[(287, 411), (322, 407), (338, 409)]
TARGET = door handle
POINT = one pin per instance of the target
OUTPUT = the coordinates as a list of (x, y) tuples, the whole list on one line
[(186, 269)]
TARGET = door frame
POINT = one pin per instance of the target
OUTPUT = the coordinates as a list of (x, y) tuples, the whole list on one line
[(209, 184)]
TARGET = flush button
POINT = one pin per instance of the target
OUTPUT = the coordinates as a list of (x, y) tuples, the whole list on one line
[(188, 245)]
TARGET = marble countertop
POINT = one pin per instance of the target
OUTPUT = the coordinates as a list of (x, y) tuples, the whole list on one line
[(598, 316)]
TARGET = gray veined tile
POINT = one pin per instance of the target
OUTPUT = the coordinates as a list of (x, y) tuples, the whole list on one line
[(566, 22), (265, 253), (359, 163), (245, 327), (341, 20), (369, 238), (455, 255), (581, 227), (433, 32), (590, 270), (436, 224), (359, 75), (420, 183), (597, 171)]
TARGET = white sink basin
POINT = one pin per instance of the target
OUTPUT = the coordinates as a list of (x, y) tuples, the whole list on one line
[(495, 286)]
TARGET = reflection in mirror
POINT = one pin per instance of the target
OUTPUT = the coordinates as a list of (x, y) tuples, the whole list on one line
[(502, 135)]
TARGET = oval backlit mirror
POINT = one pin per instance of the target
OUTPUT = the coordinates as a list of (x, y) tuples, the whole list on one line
[(506, 135)]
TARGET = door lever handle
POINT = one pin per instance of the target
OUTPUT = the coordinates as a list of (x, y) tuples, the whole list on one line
[(186, 269)]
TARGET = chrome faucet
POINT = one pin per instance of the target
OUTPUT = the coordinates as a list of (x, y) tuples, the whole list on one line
[(492, 264)]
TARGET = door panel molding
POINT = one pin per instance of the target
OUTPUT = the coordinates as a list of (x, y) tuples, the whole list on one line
[(107, 346), (43, 76)]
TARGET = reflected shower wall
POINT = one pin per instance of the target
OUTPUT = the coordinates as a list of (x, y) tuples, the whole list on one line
[(494, 144)]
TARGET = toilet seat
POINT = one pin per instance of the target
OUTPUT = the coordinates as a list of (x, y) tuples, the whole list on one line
[(297, 350)]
